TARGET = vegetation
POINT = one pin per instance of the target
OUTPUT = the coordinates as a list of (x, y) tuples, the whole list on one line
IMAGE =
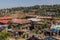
[(10, 23), (41, 27), (44, 10), (44, 25), (24, 35), (4, 35)]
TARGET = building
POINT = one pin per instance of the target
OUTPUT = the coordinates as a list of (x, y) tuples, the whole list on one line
[(5, 19), (22, 23), (35, 22), (56, 24)]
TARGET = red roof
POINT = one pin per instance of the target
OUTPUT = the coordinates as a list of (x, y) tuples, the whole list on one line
[(6, 17), (20, 21), (4, 21)]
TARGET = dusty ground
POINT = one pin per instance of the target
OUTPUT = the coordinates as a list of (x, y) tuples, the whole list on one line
[(14, 39)]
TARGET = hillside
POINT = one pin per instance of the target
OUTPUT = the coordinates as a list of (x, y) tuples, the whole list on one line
[(43, 10)]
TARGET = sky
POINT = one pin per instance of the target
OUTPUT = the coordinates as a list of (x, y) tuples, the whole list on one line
[(19, 3)]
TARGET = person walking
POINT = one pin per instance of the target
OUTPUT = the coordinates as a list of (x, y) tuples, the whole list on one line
[(16, 37)]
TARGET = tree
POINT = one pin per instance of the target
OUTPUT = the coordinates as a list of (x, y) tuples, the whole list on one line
[(10, 23), (4, 35), (44, 25)]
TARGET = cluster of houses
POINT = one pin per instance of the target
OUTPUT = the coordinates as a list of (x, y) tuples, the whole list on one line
[(30, 22), (30, 19), (22, 22)]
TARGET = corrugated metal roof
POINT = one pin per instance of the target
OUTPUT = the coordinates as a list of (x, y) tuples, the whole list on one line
[(34, 19)]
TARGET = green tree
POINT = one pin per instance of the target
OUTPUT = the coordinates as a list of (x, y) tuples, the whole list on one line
[(4, 35), (10, 23), (44, 25)]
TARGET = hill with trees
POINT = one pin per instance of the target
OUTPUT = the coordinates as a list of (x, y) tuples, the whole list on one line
[(43, 10)]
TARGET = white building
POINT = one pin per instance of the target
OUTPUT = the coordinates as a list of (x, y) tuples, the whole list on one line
[(56, 25)]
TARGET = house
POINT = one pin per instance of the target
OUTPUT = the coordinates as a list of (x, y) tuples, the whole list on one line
[(4, 22), (23, 23), (3, 27), (56, 24), (46, 18), (5, 19), (35, 22)]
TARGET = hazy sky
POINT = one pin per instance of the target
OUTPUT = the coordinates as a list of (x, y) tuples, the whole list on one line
[(16, 3)]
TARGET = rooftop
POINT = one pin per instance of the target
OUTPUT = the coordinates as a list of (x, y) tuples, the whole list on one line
[(34, 19), (21, 21), (5, 17)]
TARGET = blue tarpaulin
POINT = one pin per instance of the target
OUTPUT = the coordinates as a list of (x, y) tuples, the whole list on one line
[(55, 30), (50, 38)]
